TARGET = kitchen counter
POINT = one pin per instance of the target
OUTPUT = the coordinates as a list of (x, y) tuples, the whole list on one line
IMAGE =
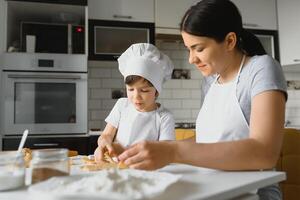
[(199, 183)]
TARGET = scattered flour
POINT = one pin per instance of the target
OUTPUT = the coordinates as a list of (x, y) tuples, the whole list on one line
[(116, 183)]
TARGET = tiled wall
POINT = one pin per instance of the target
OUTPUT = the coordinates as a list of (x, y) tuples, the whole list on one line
[(181, 96)]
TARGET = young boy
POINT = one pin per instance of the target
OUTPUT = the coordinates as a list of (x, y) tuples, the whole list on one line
[(138, 117)]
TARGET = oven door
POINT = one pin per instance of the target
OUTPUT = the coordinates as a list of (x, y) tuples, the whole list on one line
[(45, 103)]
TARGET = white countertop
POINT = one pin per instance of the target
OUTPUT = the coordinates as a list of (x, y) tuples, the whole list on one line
[(199, 183)]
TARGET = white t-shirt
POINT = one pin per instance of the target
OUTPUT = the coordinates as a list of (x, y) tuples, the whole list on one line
[(134, 126)]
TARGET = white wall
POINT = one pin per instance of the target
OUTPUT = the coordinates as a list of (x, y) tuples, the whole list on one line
[(182, 97)]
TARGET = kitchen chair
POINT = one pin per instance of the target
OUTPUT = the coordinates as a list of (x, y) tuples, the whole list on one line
[(72, 153), (289, 161), (182, 134)]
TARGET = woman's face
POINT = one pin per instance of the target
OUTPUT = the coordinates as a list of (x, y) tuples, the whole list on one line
[(142, 95), (205, 53)]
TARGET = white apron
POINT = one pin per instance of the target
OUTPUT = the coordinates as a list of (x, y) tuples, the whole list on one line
[(221, 117)]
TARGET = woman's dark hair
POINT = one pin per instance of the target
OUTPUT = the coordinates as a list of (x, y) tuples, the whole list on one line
[(215, 19), (129, 80)]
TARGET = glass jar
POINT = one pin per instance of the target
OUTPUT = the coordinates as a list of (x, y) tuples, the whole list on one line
[(47, 163), (12, 170)]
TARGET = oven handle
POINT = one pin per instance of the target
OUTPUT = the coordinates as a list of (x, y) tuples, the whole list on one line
[(44, 76), (45, 144)]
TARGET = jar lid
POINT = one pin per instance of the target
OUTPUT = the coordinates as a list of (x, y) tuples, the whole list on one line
[(50, 154)]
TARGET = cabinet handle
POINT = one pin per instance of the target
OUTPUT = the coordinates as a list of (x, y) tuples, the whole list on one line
[(250, 25), (46, 144), (296, 60), (123, 16)]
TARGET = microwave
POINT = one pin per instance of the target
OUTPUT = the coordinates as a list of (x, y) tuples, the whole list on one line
[(53, 38), (108, 39)]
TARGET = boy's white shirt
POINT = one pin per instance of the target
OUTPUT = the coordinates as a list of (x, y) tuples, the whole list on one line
[(134, 126)]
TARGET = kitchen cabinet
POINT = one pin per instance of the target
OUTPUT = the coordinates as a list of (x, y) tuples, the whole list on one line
[(122, 10), (2, 25), (258, 14), (78, 143), (168, 14), (289, 28)]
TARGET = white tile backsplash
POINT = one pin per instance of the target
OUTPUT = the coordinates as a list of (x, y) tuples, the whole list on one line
[(94, 83), (171, 103), (173, 83), (108, 103), (112, 83), (182, 97), (100, 94), (191, 84), (187, 103), (99, 73), (95, 104), (181, 94)]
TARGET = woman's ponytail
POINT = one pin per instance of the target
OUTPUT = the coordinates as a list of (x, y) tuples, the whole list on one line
[(250, 44)]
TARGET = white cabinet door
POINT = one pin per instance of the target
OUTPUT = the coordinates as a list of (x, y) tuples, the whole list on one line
[(122, 10), (258, 14), (289, 31), (168, 14)]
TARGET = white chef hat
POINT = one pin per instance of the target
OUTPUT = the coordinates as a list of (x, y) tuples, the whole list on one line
[(147, 61)]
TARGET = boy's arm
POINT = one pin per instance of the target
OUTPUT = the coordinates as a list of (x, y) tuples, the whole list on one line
[(105, 142)]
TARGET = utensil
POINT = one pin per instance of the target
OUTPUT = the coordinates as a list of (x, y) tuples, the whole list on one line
[(22, 142)]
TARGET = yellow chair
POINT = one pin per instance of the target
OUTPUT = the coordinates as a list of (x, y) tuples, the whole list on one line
[(72, 153), (182, 134), (289, 162)]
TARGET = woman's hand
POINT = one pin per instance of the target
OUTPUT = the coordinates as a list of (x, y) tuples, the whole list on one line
[(149, 155)]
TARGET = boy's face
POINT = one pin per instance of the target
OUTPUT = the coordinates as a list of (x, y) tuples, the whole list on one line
[(142, 95)]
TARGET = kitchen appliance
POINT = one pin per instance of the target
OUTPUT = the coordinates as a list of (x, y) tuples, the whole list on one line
[(269, 40), (109, 39), (44, 93), (54, 38)]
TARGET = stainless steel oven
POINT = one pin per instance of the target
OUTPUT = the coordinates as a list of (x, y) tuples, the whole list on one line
[(47, 98)]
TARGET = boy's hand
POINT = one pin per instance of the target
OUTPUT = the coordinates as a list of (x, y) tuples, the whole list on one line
[(115, 150)]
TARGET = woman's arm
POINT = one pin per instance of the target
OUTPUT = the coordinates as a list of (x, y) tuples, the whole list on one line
[(260, 151)]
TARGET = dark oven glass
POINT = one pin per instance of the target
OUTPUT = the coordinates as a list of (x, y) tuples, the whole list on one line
[(109, 39), (42, 102)]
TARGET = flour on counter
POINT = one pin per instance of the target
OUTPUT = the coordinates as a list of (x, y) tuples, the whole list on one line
[(116, 183)]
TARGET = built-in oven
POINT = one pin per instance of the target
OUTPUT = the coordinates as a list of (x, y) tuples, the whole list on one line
[(50, 97)]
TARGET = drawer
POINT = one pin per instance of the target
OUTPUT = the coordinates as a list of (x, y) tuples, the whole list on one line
[(79, 144)]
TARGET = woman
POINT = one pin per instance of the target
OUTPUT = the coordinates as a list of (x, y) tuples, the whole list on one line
[(240, 124)]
